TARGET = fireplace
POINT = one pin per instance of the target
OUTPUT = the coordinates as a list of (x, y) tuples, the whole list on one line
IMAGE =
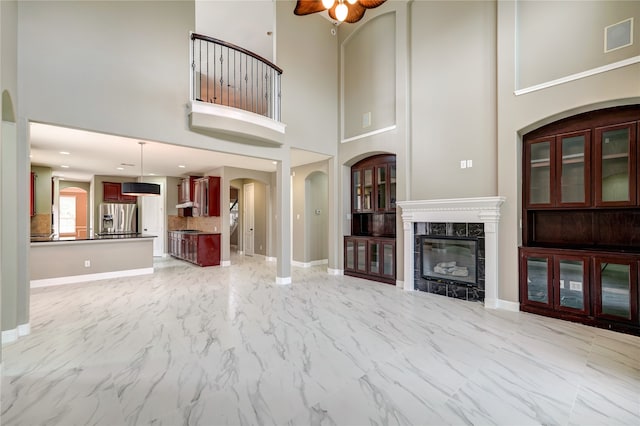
[(449, 258), (461, 218)]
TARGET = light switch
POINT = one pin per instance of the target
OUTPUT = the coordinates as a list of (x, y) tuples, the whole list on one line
[(469, 164), (366, 119), (463, 164)]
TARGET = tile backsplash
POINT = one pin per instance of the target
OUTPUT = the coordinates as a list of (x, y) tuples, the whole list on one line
[(205, 224)]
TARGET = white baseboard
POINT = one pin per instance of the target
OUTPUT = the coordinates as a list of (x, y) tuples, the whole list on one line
[(24, 329), (502, 304), (9, 336), (283, 280), (400, 284), (332, 271), (270, 259), (90, 277), (310, 264), (225, 263)]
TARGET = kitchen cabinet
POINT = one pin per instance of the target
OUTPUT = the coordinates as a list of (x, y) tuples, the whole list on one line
[(206, 197), (185, 196), (112, 193), (616, 165), (200, 248)]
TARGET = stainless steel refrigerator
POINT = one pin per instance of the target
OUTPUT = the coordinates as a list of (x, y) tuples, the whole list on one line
[(118, 219)]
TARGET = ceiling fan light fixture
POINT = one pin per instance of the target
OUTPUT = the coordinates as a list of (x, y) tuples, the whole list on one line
[(328, 4), (341, 12)]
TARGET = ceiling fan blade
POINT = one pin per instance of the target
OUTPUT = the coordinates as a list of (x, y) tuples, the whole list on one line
[(356, 12), (370, 4), (306, 7)]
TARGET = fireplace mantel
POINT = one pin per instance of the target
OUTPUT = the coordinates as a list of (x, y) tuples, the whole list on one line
[(484, 210)]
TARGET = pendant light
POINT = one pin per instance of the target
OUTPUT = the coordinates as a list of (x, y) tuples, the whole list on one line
[(140, 188)]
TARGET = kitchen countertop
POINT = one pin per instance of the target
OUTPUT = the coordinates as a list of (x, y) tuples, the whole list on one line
[(46, 239)]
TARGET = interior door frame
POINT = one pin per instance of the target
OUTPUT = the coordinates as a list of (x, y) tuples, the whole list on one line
[(159, 246)]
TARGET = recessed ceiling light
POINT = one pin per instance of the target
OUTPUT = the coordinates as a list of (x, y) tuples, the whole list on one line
[(152, 174), (119, 168), (64, 166), (65, 153), (274, 162), (181, 166)]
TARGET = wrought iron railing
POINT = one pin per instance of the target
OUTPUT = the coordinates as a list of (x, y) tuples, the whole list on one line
[(229, 75)]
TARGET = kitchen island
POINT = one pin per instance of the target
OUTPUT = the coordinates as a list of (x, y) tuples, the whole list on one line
[(73, 260)]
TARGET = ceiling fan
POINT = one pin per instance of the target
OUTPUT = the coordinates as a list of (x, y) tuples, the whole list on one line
[(349, 10)]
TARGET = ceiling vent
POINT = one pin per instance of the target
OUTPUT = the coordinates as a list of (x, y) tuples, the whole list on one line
[(618, 35)]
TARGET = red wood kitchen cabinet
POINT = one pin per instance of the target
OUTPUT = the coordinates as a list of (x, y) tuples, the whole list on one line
[(112, 193), (199, 248)]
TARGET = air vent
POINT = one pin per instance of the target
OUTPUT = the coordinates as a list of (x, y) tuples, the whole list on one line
[(618, 35)]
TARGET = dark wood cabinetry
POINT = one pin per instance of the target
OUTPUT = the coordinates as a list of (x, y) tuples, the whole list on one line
[(581, 219), (200, 248), (112, 193), (370, 250), (199, 196)]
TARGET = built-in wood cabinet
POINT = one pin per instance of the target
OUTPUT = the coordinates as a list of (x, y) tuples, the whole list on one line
[(112, 193), (370, 250), (206, 196), (199, 248), (581, 219)]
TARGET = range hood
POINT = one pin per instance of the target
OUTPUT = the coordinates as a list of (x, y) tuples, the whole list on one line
[(184, 205)]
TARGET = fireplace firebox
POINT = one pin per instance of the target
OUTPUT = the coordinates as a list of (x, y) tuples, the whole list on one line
[(449, 258)]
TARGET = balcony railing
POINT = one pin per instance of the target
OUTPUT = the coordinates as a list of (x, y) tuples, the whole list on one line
[(229, 75)]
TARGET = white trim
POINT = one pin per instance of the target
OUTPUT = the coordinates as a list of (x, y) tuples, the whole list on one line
[(501, 304), (90, 277), (24, 329), (372, 133), (225, 263), (283, 280), (310, 264), (332, 271), (578, 76), (9, 336)]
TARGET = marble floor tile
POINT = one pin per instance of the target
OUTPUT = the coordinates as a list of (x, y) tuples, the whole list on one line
[(227, 346)]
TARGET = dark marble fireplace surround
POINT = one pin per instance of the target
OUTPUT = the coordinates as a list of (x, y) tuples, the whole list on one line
[(446, 287)]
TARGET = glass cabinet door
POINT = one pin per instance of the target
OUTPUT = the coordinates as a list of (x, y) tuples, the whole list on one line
[(538, 274), (367, 194), (572, 286), (615, 165), (540, 172), (349, 255), (374, 257), (392, 186), (361, 255), (574, 168), (388, 259), (356, 191), (616, 286), (381, 190)]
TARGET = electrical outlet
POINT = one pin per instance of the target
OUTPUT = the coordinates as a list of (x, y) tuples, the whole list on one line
[(469, 164), (463, 164), (87, 263)]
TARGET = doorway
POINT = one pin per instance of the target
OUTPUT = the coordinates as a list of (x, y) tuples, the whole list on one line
[(72, 213), (248, 219)]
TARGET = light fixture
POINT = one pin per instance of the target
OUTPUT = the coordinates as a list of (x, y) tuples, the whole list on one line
[(341, 10), (140, 188)]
